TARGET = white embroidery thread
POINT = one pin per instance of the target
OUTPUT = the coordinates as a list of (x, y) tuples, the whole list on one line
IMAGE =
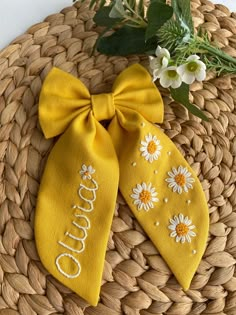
[(180, 179), (85, 218), (144, 196), (89, 201), (86, 171), (78, 251), (150, 148), (83, 228), (65, 273), (79, 226), (181, 228)]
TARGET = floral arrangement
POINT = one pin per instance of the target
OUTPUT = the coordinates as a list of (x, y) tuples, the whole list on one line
[(178, 55)]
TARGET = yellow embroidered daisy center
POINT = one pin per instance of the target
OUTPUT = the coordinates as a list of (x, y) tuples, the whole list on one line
[(182, 229), (87, 173), (180, 180), (192, 66), (151, 147), (145, 196)]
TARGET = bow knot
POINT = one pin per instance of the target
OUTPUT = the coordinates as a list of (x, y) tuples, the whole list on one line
[(103, 106)]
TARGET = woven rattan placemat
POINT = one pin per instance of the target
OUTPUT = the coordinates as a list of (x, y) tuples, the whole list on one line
[(136, 280)]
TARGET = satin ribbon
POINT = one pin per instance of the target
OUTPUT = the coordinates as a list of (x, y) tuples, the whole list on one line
[(88, 164)]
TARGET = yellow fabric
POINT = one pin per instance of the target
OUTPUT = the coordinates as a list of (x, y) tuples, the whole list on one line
[(88, 163)]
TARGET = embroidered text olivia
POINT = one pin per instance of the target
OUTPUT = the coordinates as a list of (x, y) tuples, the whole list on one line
[(82, 224)]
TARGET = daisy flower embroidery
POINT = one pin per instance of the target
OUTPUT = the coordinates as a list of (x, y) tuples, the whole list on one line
[(151, 148), (86, 171), (180, 179), (144, 196), (181, 228)]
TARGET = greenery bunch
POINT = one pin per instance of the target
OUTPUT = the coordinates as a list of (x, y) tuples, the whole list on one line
[(139, 29)]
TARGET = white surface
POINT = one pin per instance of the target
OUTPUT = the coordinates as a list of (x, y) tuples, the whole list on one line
[(18, 15), (231, 4)]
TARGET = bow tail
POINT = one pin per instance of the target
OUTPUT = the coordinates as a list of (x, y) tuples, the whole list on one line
[(75, 207), (163, 193)]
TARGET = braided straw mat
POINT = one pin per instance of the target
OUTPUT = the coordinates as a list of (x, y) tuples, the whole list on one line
[(136, 280)]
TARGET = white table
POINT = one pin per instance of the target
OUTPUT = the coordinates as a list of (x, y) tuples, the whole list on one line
[(18, 15)]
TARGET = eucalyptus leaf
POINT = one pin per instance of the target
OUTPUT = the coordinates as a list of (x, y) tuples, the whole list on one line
[(102, 17), (157, 14), (125, 41), (107, 29), (181, 95), (140, 8), (182, 10), (132, 4), (117, 10)]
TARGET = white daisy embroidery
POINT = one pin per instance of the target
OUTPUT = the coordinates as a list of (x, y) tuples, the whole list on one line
[(181, 228), (86, 171), (180, 179), (151, 148), (144, 196)]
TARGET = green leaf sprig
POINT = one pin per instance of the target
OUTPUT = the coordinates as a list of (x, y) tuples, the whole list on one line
[(159, 27)]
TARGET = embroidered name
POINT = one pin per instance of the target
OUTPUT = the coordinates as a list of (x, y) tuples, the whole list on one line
[(87, 197)]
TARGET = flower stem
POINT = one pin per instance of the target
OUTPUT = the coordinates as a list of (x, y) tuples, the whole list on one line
[(139, 24), (217, 52)]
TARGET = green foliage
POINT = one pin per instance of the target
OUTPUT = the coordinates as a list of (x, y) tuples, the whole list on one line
[(125, 41), (132, 4), (140, 8), (171, 35), (102, 17), (157, 9), (161, 1), (214, 58), (130, 13), (139, 31), (217, 64), (117, 10), (181, 95), (183, 14)]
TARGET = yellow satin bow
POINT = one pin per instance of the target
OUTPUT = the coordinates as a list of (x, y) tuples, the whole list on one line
[(88, 164)]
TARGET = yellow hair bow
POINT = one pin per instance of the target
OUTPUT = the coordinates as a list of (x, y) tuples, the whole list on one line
[(88, 164)]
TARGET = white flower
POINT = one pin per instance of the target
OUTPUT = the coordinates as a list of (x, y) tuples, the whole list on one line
[(160, 62), (144, 196), (193, 70), (86, 171), (181, 228), (180, 179), (169, 77), (151, 148)]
